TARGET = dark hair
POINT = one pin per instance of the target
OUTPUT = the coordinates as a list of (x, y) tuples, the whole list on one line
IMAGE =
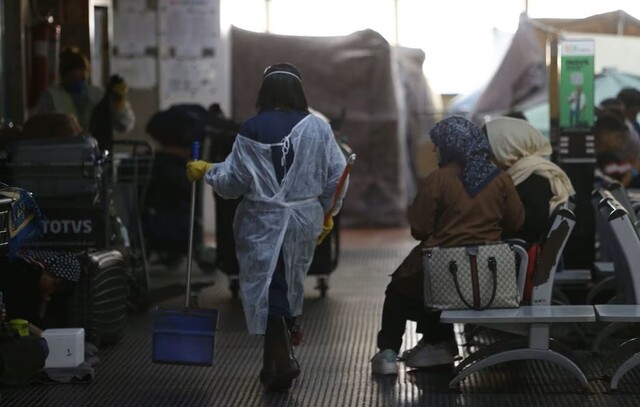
[(609, 122), (611, 106), (281, 90), (516, 114), (70, 60), (630, 97), (51, 125)]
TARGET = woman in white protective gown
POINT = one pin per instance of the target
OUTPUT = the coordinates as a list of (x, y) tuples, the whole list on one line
[(286, 166)]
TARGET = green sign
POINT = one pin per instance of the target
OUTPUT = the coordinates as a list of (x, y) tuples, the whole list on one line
[(576, 83)]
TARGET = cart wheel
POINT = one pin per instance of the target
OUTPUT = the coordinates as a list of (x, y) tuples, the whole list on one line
[(234, 286), (322, 286)]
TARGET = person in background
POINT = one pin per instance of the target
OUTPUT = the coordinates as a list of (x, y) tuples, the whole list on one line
[(51, 125), (29, 280), (468, 200), (286, 165), (611, 136), (610, 105), (630, 98), (522, 151), (74, 95)]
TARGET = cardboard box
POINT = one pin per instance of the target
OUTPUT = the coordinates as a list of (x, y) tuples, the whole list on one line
[(66, 347)]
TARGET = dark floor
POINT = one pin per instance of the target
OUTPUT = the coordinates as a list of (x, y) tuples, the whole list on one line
[(340, 333)]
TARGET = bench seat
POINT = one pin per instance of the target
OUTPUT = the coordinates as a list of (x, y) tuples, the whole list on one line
[(536, 344), (524, 315), (629, 351)]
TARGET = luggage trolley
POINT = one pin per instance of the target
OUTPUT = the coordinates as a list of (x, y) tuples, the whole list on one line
[(5, 213), (67, 178), (129, 172)]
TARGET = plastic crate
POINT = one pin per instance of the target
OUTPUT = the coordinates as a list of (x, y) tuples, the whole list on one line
[(184, 336)]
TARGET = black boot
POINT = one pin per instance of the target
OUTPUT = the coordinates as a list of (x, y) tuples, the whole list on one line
[(268, 371), (280, 366)]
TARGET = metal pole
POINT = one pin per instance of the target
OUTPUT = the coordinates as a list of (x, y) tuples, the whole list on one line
[(195, 154), (267, 16), (395, 21)]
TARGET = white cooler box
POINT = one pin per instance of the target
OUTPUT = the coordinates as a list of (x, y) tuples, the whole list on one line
[(66, 347)]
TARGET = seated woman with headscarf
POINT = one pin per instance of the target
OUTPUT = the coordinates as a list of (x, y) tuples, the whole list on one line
[(521, 150), (468, 200)]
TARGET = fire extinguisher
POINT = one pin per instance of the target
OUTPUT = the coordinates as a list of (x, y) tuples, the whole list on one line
[(45, 51)]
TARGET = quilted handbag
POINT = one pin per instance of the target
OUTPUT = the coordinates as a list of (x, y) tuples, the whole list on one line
[(471, 277)]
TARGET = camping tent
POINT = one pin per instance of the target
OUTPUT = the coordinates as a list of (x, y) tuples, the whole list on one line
[(383, 92)]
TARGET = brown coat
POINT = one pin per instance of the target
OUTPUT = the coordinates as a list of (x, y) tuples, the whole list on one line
[(444, 214)]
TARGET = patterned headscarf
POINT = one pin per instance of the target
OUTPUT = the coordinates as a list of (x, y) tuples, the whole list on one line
[(60, 264), (461, 141), (25, 219)]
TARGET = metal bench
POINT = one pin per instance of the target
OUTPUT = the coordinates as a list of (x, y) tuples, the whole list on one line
[(629, 351), (533, 321), (626, 250), (536, 345)]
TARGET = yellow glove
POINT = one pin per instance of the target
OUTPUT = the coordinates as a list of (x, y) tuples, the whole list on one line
[(120, 91), (326, 229), (196, 169)]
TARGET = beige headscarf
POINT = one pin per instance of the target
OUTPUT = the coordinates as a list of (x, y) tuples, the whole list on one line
[(521, 148)]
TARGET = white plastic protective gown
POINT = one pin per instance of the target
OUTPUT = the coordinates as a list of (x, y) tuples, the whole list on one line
[(272, 215)]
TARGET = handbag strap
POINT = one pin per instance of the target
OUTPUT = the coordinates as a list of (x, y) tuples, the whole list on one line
[(493, 266), (453, 269)]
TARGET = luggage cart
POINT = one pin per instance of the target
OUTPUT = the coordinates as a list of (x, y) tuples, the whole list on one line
[(66, 178), (129, 172), (69, 180), (5, 213)]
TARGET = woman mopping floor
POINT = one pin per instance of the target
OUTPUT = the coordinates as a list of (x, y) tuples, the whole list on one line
[(286, 165)]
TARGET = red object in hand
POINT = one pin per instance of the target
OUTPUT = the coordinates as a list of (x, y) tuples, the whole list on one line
[(341, 182)]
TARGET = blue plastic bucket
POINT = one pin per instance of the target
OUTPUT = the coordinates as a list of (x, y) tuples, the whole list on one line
[(184, 336)]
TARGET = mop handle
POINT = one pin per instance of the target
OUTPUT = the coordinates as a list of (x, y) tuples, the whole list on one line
[(195, 154), (341, 182)]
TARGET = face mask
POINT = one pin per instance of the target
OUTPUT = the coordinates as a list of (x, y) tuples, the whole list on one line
[(77, 86)]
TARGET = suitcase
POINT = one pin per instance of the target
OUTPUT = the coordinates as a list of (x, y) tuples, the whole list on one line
[(98, 302), (57, 167), (165, 215)]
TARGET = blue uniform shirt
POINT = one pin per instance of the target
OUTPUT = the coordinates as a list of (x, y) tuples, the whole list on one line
[(271, 127)]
